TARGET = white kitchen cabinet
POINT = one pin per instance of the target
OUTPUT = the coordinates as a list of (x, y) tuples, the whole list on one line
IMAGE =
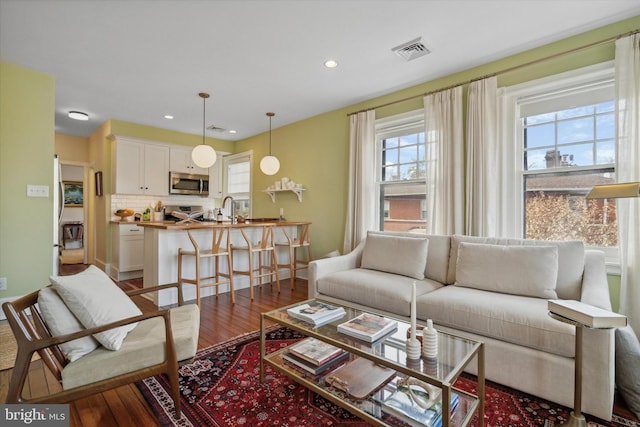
[(215, 179), (140, 167), (127, 257), (180, 161)]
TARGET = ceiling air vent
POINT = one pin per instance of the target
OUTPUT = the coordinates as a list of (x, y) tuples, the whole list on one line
[(216, 129), (411, 50)]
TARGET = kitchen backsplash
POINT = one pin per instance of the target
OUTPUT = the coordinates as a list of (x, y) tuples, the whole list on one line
[(140, 203)]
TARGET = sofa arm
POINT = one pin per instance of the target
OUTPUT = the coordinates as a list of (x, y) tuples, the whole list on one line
[(595, 287), (325, 266)]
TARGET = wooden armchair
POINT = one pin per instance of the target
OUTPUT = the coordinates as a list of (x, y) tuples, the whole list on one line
[(155, 346)]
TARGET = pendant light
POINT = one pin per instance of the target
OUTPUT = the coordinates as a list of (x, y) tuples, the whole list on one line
[(270, 165), (203, 155)]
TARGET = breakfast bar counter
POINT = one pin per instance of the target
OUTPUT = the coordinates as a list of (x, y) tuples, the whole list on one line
[(163, 239)]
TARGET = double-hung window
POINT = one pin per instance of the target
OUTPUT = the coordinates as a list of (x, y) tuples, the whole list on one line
[(566, 134), (237, 181), (401, 173)]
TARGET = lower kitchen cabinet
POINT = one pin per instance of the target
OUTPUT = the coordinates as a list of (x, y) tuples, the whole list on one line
[(127, 257)]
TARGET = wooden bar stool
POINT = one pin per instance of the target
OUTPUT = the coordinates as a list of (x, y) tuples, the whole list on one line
[(258, 250), (220, 246), (293, 244)]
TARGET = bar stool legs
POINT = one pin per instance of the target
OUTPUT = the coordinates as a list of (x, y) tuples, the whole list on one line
[(264, 247), (220, 246), (292, 245)]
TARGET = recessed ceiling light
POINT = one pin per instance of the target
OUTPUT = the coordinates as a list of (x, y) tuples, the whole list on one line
[(168, 117), (78, 115), (331, 63), (232, 131)]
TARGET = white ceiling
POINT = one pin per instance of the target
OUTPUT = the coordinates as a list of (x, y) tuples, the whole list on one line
[(138, 60)]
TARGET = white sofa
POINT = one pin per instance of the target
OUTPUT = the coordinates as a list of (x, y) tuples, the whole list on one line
[(493, 290)]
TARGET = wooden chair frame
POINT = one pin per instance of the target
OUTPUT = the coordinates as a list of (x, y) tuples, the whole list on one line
[(264, 245), (292, 245), (220, 246), (32, 335)]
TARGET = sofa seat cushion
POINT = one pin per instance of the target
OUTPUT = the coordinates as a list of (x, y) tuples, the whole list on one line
[(395, 254), (142, 347), (512, 318), (375, 289)]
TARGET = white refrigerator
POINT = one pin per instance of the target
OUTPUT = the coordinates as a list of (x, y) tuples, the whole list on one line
[(58, 207)]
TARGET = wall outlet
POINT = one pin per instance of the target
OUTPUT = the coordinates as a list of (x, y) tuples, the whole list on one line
[(37, 191), (3, 283)]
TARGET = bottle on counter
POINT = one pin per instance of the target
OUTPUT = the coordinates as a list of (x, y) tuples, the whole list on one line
[(219, 216)]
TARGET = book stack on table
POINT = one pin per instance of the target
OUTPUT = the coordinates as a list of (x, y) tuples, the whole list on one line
[(315, 356), (368, 327), (402, 404), (317, 313)]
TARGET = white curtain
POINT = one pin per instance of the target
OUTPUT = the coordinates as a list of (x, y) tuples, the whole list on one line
[(445, 162), (627, 170), (361, 202), (482, 210)]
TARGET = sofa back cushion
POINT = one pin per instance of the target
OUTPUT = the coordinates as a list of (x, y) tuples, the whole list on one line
[(530, 271), (570, 260), (438, 258), (396, 254)]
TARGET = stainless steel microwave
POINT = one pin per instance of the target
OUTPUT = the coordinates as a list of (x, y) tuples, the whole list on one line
[(184, 183)]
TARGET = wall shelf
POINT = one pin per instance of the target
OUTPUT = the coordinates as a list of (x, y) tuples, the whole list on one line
[(297, 191)]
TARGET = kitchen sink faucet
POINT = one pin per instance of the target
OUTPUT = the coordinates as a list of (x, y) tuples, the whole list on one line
[(232, 210)]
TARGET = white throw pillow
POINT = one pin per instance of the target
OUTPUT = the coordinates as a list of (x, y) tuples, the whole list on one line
[(395, 254), (62, 322), (519, 270), (96, 300)]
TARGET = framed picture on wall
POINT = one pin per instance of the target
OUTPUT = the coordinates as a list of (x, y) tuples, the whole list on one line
[(73, 194)]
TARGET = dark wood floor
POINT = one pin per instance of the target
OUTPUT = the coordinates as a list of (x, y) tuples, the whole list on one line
[(219, 320)]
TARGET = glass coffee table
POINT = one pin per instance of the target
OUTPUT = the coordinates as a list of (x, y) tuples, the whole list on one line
[(454, 354)]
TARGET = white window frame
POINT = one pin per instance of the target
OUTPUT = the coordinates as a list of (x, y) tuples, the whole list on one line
[(246, 156), (389, 127), (511, 131)]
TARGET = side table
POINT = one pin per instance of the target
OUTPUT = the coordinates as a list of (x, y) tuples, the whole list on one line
[(577, 315)]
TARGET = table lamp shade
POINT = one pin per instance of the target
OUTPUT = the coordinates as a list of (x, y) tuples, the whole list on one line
[(614, 191)]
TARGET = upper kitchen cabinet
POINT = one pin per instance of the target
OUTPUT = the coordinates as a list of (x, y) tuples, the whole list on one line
[(180, 161), (140, 167)]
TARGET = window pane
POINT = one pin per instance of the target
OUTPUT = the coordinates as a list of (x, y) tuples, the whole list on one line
[(605, 126), (539, 159), (605, 106), (575, 112), (404, 207), (576, 130), (540, 118), (540, 136), (556, 209), (606, 152)]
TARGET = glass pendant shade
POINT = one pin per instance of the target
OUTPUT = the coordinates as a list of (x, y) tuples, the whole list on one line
[(204, 156), (269, 165)]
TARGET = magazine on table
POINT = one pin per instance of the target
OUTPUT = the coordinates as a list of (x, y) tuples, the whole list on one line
[(312, 368), (368, 327), (315, 351), (402, 404), (316, 312)]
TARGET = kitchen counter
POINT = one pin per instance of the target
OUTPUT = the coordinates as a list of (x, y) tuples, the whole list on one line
[(172, 225), (163, 239)]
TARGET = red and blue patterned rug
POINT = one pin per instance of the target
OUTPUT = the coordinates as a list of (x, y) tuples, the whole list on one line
[(222, 387)]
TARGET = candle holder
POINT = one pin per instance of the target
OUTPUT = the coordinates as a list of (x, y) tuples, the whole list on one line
[(413, 349)]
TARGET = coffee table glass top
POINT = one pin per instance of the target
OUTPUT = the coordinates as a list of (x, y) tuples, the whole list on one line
[(454, 352)]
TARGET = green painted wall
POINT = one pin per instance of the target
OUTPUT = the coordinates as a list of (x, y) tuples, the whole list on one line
[(27, 105)]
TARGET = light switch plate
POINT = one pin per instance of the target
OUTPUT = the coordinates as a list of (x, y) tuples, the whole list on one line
[(37, 191)]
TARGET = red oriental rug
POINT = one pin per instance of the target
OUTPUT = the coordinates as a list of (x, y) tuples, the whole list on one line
[(222, 388)]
